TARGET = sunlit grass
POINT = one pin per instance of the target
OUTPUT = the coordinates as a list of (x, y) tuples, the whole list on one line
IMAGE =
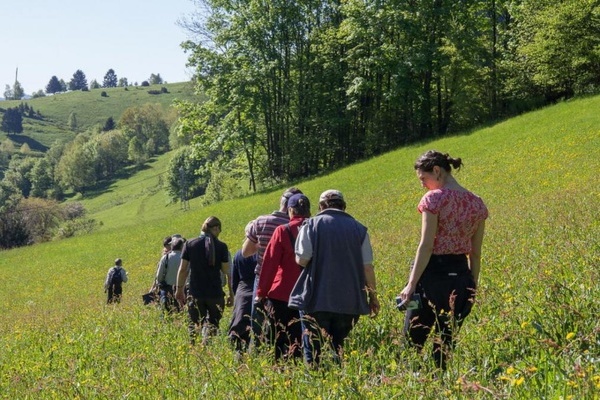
[(534, 332)]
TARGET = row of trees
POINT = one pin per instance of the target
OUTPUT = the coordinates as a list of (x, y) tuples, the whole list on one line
[(79, 82), (12, 119), (296, 88)]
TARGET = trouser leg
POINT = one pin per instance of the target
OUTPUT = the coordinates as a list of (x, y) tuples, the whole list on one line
[(197, 313)]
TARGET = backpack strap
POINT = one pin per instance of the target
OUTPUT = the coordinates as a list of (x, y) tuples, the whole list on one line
[(164, 277), (292, 238)]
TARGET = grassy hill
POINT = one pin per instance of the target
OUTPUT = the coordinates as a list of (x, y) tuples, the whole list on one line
[(534, 332), (90, 109)]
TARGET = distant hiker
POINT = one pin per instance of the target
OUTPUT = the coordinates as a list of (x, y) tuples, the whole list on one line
[(113, 285), (448, 258), (166, 275), (201, 260)]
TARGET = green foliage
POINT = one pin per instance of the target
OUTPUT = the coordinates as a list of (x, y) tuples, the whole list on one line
[(560, 45), (78, 82), (53, 85), (12, 121), (109, 125), (72, 122), (187, 176), (13, 231), (110, 79), (18, 91), (91, 109), (155, 79)]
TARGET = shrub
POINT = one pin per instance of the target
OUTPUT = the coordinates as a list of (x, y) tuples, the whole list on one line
[(103, 94), (73, 227), (73, 210)]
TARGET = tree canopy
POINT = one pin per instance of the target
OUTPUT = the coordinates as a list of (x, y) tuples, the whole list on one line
[(53, 85), (302, 87), (110, 79), (79, 81), (12, 121)]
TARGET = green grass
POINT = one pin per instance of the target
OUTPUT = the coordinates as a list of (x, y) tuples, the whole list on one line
[(534, 332), (91, 108)]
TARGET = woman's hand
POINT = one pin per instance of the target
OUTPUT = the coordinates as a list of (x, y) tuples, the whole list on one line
[(407, 292)]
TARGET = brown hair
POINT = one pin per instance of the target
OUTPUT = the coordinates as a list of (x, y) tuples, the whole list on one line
[(209, 241), (434, 158)]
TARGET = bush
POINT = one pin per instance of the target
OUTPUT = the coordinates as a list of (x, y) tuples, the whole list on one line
[(104, 94), (73, 227), (145, 83), (73, 210)]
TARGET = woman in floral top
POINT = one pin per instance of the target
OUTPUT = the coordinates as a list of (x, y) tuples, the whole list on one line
[(448, 258)]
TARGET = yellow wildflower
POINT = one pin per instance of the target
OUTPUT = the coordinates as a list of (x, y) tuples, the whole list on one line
[(520, 381)]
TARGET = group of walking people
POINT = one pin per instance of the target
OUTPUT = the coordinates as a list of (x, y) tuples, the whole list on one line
[(301, 282)]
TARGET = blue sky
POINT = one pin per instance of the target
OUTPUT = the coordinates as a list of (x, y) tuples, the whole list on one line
[(133, 37)]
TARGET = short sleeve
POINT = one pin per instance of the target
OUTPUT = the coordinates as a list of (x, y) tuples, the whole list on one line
[(303, 244), (251, 233), (224, 253), (430, 202)]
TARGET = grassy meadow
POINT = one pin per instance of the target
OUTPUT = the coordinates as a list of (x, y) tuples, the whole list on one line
[(534, 331), (90, 109)]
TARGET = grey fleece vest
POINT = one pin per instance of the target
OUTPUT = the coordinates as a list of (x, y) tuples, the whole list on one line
[(338, 268)]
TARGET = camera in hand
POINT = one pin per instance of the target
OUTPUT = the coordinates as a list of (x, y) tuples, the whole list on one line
[(414, 303)]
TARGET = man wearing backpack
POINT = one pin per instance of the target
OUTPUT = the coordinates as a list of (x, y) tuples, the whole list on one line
[(113, 285)]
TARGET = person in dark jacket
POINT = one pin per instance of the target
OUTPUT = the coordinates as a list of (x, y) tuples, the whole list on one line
[(202, 259), (242, 283)]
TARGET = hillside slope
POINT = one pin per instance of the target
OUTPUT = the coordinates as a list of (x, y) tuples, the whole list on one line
[(533, 332), (90, 108)]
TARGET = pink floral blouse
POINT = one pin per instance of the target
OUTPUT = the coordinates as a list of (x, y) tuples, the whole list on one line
[(459, 214)]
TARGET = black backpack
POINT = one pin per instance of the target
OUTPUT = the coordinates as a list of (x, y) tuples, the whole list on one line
[(116, 279)]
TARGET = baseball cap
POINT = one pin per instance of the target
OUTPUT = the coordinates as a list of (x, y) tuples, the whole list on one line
[(331, 194), (294, 201)]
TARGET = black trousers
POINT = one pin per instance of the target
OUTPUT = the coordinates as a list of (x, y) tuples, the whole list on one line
[(447, 291), (205, 313), (114, 294), (286, 328)]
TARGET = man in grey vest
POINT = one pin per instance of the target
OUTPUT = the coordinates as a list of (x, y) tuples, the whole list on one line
[(336, 251)]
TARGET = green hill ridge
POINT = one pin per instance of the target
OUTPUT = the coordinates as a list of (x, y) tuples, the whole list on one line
[(90, 108)]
